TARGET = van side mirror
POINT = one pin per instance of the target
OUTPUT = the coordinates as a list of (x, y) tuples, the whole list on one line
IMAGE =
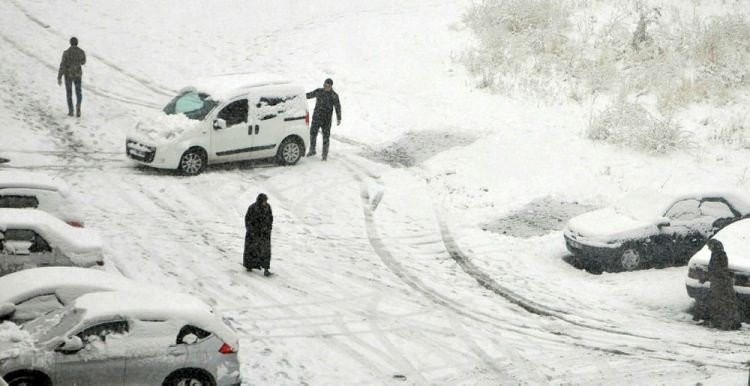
[(7, 310), (71, 345), (220, 124), (663, 222)]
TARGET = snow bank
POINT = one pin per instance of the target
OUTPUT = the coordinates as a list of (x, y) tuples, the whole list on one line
[(32, 180)]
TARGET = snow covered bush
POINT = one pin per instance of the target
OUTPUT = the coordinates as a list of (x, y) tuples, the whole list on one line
[(734, 132), (629, 124)]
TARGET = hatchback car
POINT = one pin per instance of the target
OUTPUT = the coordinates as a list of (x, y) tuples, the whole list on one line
[(125, 338), (650, 229), (36, 190), (224, 119), (736, 241), (27, 294), (33, 238)]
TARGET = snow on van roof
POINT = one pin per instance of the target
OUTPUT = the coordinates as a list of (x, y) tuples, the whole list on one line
[(82, 246), (222, 87), (150, 305), (27, 180), (28, 283)]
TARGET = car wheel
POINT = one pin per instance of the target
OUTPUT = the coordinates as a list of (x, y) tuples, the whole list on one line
[(290, 151), (193, 162), (26, 379), (189, 377), (630, 259)]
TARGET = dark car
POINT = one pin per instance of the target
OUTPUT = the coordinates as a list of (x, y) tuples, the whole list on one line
[(650, 229)]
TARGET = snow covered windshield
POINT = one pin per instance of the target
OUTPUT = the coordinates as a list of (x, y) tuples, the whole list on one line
[(193, 104), (53, 324)]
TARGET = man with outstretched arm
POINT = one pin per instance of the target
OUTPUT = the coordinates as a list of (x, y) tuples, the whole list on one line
[(326, 101)]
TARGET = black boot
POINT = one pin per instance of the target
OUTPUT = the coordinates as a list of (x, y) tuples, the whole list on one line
[(78, 111)]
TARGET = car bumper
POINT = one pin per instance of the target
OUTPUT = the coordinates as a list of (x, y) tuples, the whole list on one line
[(700, 291), (590, 254)]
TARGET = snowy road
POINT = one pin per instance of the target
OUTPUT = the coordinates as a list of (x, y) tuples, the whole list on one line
[(383, 275)]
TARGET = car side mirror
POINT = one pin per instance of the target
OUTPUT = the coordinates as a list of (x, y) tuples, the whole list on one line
[(7, 310), (663, 222), (220, 124), (71, 345), (189, 339)]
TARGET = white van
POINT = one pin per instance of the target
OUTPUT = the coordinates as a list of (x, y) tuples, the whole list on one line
[(224, 119)]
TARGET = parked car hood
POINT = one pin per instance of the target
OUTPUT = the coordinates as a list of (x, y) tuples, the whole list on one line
[(609, 224), (159, 128), (736, 240)]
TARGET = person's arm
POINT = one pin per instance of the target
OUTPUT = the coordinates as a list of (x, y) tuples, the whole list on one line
[(83, 57), (248, 219), (63, 64), (337, 106), (313, 93)]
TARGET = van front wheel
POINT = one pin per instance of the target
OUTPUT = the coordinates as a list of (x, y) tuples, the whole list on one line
[(290, 151), (193, 162)]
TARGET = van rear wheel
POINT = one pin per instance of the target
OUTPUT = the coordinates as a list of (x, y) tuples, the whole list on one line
[(290, 151), (193, 161)]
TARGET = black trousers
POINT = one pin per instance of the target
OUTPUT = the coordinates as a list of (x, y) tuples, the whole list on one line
[(326, 128), (69, 82)]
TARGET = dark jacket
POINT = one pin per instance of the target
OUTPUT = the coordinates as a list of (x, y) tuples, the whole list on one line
[(723, 309), (325, 103), (258, 225), (70, 65)]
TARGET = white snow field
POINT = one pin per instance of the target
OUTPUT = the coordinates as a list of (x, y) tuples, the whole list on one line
[(383, 273)]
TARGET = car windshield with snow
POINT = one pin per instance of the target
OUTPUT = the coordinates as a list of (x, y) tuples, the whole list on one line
[(128, 338), (36, 190), (224, 119), (33, 238), (736, 241), (27, 294), (650, 229)]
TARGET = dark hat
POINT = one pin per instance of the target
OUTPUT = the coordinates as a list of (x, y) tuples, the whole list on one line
[(329, 81), (715, 245), (261, 197), (74, 41)]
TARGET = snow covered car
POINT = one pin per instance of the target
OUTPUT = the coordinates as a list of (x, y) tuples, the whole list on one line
[(27, 294), (125, 338), (34, 238), (647, 229), (36, 190), (224, 119), (736, 241)]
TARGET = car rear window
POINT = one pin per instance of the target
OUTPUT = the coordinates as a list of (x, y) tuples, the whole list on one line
[(18, 201)]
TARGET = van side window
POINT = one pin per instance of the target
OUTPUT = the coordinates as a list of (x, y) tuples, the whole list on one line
[(32, 241), (18, 201), (271, 107), (235, 112)]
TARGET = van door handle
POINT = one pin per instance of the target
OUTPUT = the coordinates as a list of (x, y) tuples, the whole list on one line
[(250, 130), (257, 129)]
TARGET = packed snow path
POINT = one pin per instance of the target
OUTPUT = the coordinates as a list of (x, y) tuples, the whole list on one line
[(380, 276)]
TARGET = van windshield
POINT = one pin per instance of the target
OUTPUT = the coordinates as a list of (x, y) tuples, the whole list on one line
[(193, 104)]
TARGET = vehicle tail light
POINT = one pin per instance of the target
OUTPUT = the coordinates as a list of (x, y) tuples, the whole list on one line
[(307, 118), (227, 349), (77, 224)]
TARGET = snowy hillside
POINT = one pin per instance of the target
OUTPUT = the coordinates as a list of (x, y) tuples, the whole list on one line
[(428, 249)]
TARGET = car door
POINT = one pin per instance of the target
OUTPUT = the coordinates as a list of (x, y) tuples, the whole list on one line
[(685, 233), (234, 141), (268, 113), (157, 352), (100, 361), (24, 248)]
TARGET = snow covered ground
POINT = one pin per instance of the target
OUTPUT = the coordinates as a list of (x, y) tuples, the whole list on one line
[(384, 272)]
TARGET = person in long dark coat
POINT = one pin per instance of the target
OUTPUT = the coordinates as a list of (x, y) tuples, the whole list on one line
[(723, 310), (258, 225)]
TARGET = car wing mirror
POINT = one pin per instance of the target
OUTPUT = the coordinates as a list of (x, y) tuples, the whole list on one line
[(220, 124), (663, 222), (71, 345), (7, 310), (189, 339)]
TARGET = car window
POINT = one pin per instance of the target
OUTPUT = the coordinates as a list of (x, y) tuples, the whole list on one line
[(716, 209), (684, 210), (18, 201), (189, 329), (235, 112), (23, 241), (102, 330), (271, 107), (36, 306)]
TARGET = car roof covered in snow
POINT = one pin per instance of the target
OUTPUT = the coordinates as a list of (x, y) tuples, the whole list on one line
[(736, 240), (650, 204), (223, 87), (27, 180), (28, 283), (150, 305), (81, 245)]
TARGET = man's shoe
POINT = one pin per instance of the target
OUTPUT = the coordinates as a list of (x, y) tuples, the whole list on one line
[(78, 112), (310, 154), (267, 273), (70, 113)]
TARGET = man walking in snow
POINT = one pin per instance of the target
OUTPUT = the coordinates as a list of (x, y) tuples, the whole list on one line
[(70, 67), (258, 225), (326, 100)]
